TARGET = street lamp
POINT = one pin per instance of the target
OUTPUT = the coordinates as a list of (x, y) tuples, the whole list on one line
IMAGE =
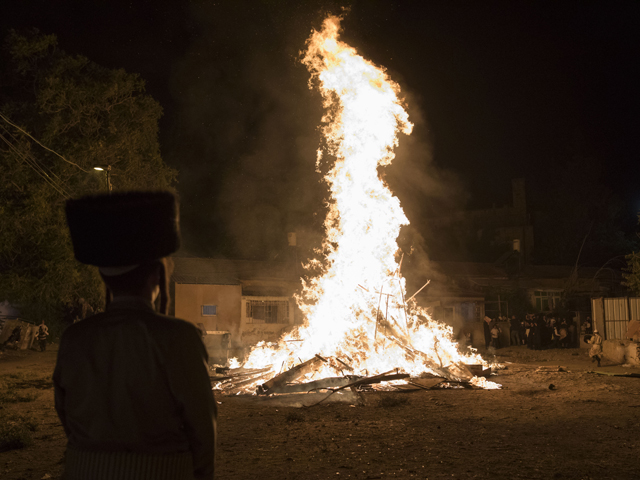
[(101, 168)]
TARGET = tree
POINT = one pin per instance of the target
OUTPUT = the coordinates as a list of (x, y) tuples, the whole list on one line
[(632, 274), (60, 116)]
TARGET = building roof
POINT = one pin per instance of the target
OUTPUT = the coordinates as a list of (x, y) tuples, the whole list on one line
[(449, 279), (230, 272), (491, 270), (531, 277)]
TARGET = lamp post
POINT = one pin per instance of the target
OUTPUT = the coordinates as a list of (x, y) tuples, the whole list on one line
[(108, 169)]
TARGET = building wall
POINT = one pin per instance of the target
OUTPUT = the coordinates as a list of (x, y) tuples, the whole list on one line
[(523, 233), (231, 313), (253, 331), (477, 334), (189, 299), (462, 314)]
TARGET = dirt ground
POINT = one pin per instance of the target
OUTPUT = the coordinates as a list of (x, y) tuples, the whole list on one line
[(586, 427)]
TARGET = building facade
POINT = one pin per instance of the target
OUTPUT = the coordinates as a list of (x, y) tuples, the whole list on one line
[(248, 300)]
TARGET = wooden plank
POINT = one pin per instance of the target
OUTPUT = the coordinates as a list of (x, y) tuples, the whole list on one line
[(409, 387), (367, 381), (291, 374), (426, 383), (324, 383), (299, 400), (234, 388), (239, 373)]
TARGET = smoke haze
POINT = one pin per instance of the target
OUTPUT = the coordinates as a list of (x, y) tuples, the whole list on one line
[(250, 126), (496, 91)]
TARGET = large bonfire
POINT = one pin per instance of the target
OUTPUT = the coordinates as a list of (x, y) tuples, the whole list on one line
[(356, 316)]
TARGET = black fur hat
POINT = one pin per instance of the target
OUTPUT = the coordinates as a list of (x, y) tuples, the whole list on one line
[(123, 228)]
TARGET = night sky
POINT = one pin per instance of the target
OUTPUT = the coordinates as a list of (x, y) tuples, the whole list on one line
[(496, 90)]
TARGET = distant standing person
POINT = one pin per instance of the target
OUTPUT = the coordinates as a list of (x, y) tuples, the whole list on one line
[(536, 331), (588, 326), (524, 327), (596, 350), (571, 328), (487, 331), (43, 333), (495, 336), (564, 335), (86, 310), (514, 330)]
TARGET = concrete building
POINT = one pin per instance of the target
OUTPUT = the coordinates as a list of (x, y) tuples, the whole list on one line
[(462, 293), (251, 301)]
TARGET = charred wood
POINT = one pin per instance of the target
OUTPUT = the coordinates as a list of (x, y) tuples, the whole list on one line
[(383, 377), (324, 383), (239, 373), (290, 375), (232, 388)]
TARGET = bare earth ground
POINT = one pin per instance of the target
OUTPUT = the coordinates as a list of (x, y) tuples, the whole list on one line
[(588, 427)]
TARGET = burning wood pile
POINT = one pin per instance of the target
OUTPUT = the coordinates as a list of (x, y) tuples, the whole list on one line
[(360, 330), (288, 385)]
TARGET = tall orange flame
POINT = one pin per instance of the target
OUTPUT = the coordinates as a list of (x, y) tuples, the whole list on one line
[(355, 310)]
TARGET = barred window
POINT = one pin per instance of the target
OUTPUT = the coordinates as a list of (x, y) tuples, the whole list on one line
[(209, 310), (547, 300), (268, 311)]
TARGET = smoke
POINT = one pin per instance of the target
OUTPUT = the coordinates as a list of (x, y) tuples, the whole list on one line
[(426, 191), (248, 130), (248, 135)]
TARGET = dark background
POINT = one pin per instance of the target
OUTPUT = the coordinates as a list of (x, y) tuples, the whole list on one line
[(496, 90)]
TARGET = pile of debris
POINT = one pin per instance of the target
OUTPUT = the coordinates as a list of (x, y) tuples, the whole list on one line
[(17, 335), (291, 385)]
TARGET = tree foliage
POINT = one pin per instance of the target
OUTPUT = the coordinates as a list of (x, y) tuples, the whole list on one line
[(55, 103), (632, 275)]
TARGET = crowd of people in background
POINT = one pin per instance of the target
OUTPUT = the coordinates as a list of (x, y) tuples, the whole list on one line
[(536, 330)]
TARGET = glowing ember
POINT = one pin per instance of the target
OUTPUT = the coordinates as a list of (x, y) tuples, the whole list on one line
[(355, 310)]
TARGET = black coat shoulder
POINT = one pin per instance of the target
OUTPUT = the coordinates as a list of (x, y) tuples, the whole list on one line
[(161, 327)]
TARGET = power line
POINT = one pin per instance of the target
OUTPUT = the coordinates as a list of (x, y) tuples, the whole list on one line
[(16, 141), (31, 162), (43, 146), (38, 169)]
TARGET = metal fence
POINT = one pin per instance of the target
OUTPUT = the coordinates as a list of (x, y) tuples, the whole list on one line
[(613, 315)]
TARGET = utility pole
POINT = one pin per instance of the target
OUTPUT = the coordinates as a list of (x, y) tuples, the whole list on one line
[(100, 169), (109, 186)]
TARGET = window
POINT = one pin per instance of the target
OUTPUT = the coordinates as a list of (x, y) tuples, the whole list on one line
[(268, 311), (546, 301), (209, 310), (479, 311), (470, 311)]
